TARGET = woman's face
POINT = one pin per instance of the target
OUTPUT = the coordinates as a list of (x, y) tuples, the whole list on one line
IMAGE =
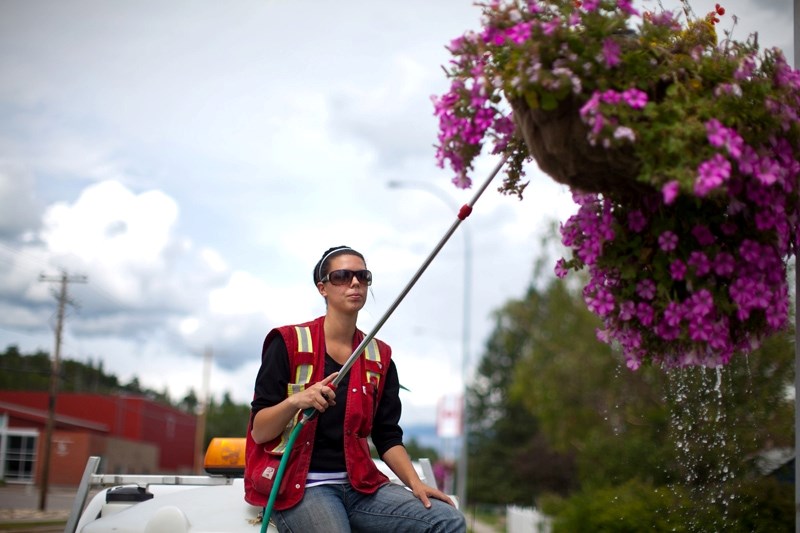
[(350, 297)]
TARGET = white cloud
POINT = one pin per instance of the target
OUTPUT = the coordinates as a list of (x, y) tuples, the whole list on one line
[(19, 209), (194, 160)]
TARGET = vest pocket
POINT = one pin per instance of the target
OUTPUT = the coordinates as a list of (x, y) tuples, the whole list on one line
[(263, 470)]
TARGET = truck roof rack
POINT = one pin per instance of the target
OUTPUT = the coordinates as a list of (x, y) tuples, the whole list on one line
[(91, 479)]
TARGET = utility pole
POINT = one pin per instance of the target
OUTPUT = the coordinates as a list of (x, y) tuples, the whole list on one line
[(200, 428), (55, 372)]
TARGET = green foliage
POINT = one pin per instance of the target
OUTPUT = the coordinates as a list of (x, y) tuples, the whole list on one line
[(32, 372), (762, 505), (510, 460), (654, 449), (756, 505), (226, 419), (20, 371), (631, 507)]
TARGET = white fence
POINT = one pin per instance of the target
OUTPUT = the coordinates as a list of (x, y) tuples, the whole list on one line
[(526, 520)]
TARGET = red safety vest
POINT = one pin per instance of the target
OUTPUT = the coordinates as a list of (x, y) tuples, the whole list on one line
[(305, 344)]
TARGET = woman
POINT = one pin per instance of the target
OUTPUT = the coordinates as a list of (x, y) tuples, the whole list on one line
[(331, 482)]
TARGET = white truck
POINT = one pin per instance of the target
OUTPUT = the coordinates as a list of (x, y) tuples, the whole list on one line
[(213, 503)]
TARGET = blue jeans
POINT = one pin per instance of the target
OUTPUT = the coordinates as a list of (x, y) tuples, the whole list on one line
[(340, 508)]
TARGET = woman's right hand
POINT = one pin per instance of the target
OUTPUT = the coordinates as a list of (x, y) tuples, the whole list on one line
[(270, 422), (318, 396)]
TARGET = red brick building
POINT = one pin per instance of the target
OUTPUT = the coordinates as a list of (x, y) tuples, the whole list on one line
[(130, 432)]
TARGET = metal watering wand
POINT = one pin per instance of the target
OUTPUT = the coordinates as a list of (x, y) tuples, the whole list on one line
[(310, 412)]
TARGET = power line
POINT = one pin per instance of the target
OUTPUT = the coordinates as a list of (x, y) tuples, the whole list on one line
[(62, 297)]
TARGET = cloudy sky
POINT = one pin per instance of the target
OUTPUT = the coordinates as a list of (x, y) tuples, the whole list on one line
[(193, 159)]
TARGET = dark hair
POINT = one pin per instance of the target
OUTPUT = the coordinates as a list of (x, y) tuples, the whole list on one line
[(321, 268)]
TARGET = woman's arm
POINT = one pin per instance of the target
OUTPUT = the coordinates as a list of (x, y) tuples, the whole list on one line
[(388, 439), (272, 409), (269, 422), (397, 459)]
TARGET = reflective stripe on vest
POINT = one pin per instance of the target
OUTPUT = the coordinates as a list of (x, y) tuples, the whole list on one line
[(304, 372), (304, 339), (301, 379), (372, 353)]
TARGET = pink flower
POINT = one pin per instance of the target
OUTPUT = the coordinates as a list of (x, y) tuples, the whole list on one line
[(644, 312), (462, 181), (520, 33), (724, 264), (591, 106), (703, 235), (646, 289), (701, 303), (560, 269), (699, 260), (677, 269), (670, 191), (668, 241), (633, 362), (602, 303), (635, 98), (590, 5), (711, 174), (636, 221), (611, 52), (767, 171), (673, 314), (667, 332), (627, 310), (716, 132), (627, 7), (611, 97), (700, 330)]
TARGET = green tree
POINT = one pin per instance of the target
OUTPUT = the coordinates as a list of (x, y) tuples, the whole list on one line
[(190, 402), (20, 371), (580, 393), (510, 460), (226, 419)]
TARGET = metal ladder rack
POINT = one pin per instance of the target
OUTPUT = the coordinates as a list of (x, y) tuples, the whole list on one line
[(91, 479)]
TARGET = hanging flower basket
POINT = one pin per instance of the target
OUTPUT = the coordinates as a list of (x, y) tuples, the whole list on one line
[(681, 146), (557, 139)]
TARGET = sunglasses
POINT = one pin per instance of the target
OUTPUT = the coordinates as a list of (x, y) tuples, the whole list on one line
[(345, 277)]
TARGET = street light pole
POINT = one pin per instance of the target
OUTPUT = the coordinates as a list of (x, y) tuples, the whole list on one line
[(461, 480)]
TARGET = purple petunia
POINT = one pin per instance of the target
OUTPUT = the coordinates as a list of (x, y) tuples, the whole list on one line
[(646, 289), (611, 53), (668, 241), (711, 174), (636, 221), (670, 191), (677, 269)]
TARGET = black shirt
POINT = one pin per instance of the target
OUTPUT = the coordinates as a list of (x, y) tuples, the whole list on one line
[(328, 454)]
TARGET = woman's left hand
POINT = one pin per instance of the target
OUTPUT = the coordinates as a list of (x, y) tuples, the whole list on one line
[(425, 492)]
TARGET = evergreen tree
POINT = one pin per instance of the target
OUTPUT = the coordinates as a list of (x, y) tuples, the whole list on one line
[(227, 419)]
